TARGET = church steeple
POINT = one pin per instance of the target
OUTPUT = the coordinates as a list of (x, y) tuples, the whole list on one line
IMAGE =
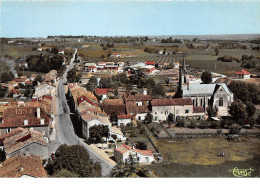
[(183, 76)]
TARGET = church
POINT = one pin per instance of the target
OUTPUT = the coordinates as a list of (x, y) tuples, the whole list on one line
[(204, 95)]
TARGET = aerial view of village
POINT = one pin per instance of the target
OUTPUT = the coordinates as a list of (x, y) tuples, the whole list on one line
[(129, 89)]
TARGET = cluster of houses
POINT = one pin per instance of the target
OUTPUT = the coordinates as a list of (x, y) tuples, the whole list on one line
[(86, 107), (25, 127), (24, 149), (16, 87)]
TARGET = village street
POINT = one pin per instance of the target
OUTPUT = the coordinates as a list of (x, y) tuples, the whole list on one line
[(63, 129)]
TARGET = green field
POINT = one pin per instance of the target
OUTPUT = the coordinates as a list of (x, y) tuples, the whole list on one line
[(184, 157)]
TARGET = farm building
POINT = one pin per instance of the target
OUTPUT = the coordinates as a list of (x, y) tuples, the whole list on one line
[(123, 152), (243, 74)]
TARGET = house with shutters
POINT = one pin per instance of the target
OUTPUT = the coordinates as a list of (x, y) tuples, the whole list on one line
[(123, 153), (179, 107)]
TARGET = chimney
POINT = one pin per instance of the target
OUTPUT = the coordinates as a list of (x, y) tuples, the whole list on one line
[(25, 122), (144, 91), (42, 121), (38, 112), (27, 153)]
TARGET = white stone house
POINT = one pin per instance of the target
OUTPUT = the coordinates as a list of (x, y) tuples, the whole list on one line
[(91, 119), (123, 120), (138, 111), (179, 107), (91, 67), (44, 90), (244, 74), (123, 152)]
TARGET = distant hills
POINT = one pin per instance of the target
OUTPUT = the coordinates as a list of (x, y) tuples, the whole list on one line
[(214, 37)]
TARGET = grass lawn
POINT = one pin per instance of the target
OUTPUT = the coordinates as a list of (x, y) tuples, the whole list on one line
[(205, 151), (198, 157), (193, 170)]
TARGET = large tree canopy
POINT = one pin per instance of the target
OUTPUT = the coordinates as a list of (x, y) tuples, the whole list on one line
[(206, 77), (74, 159), (238, 110)]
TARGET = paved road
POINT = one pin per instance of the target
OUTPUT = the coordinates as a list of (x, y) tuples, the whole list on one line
[(64, 131)]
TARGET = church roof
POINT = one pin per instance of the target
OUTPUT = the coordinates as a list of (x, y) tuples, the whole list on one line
[(204, 89), (199, 89)]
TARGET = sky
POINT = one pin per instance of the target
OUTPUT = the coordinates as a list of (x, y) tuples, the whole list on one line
[(121, 18)]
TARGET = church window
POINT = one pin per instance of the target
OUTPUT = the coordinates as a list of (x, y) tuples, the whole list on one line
[(220, 102)]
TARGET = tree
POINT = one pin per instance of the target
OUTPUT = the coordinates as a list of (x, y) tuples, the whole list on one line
[(63, 173), (141, 145), (113, 117), (212, 112), (238, 110), (148, 118), (167, 81), (250, 109), (241, 92), (206, 77), (7, 76), (90, 86), (217, 51), (74, 159), (97, 132), (105, 82), (71, 75), (158, 90), (170, 119), (54, 50), (129, 87), (109, 53), (164, 50), (38, 78)]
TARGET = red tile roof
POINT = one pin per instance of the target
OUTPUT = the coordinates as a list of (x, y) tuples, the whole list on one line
[(91, 67), (14, 117), (198, 109), (150, 62), (19, 79), (243, 72), (124, 148), (20, 165), (171, 102), (21, 138), (111, 106), (132, 108), (138, 97), (124, 116), (84, 98), (103, 91)]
